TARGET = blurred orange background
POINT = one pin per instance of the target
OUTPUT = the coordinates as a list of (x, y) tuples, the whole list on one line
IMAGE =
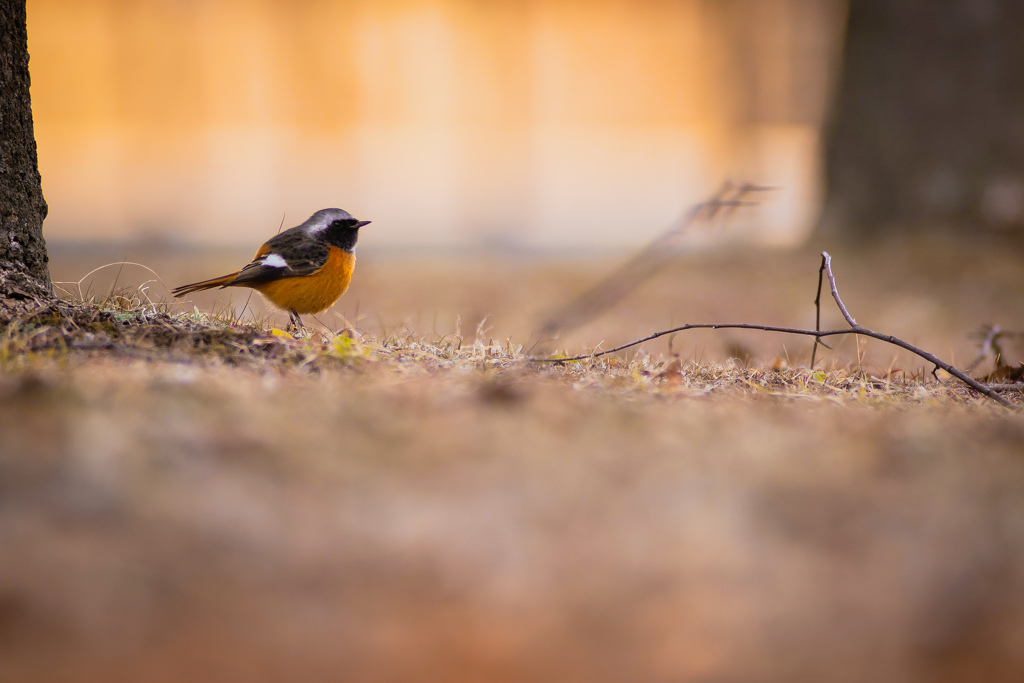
[(449, 123)]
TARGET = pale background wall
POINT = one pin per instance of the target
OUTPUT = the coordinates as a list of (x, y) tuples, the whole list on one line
[(530, 123)]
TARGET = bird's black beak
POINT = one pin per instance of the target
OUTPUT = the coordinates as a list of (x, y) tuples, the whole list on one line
[(360, 224)]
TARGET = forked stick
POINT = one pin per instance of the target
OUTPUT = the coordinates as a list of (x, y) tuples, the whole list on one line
[(855, 328)]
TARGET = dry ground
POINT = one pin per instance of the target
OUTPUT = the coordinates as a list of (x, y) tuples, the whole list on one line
[(421, 504)]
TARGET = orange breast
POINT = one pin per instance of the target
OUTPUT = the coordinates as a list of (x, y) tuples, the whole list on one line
[(316, 292)]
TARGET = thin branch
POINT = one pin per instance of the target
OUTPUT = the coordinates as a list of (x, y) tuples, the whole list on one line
[(1006, 387), (817, 315), (853, 329), (696, 326), (888, 338), (826, 258)]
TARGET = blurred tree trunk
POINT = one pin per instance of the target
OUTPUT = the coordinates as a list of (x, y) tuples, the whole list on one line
[(23, 259), (927, 130)]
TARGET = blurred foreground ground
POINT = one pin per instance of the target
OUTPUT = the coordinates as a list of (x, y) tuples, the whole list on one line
[(491, 521)]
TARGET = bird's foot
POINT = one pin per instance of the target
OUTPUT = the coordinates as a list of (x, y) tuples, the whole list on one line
[(295, 325)]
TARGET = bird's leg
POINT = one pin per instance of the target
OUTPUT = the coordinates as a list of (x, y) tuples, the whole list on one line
[(295, 322)]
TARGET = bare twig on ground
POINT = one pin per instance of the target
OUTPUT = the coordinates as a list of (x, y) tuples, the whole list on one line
[(1016, 386), (896, 341), (817, 315), (854, 328)]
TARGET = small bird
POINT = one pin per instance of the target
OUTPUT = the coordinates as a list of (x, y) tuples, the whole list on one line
[(304, 269)]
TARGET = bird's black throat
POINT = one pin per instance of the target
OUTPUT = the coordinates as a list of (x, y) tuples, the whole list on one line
[(343, 234)]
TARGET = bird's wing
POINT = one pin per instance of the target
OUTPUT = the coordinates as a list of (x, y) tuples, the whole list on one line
[(286, 255)]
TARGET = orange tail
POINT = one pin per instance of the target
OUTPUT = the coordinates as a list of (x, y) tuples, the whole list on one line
[(205, 284)]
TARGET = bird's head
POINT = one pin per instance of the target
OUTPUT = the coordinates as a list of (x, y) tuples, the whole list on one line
[(335, 226)]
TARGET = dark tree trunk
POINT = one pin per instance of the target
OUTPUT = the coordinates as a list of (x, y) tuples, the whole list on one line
[(23, 259), (927, 129)]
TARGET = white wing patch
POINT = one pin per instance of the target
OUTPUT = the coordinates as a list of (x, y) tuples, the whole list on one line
[(274, 261)]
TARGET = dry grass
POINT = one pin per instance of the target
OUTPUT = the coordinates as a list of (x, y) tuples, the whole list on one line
[(121, 325), (183, 497)]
